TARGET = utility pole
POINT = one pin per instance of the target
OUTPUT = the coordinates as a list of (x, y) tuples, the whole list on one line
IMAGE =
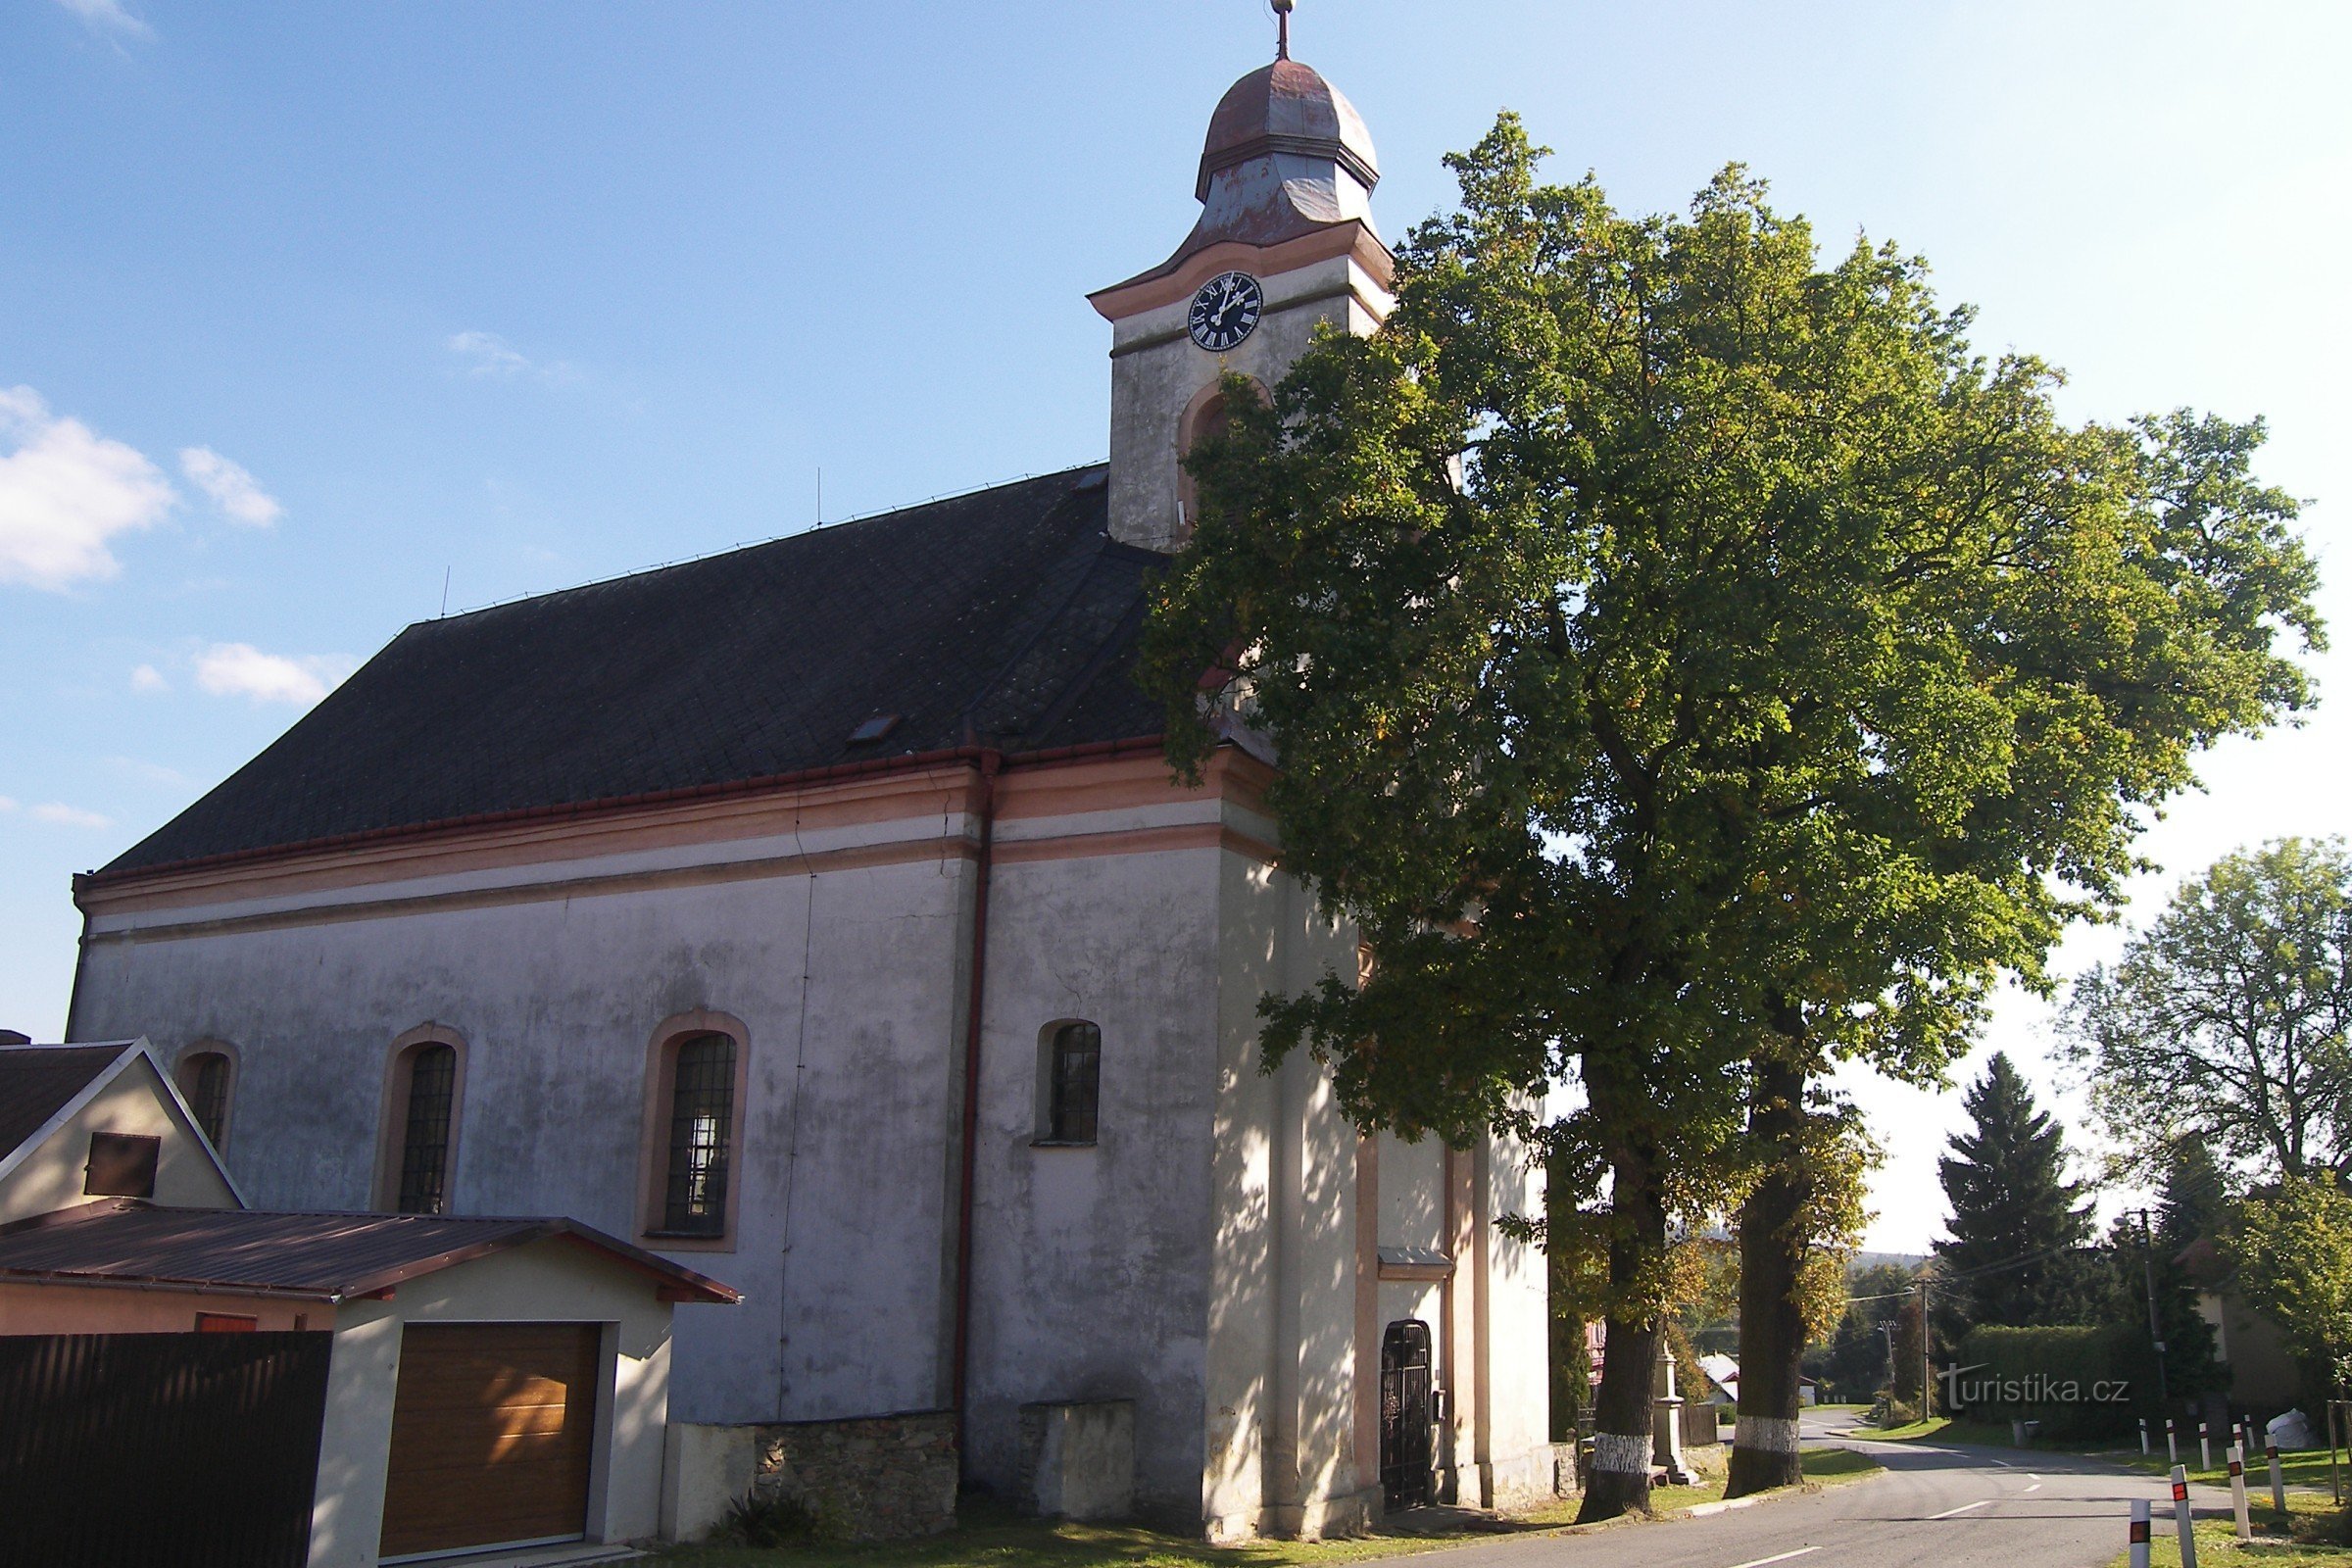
[(2147, 1232), (1927, 1355)]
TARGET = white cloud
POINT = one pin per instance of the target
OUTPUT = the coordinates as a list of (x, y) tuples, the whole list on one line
[(148, 678), (7, 805), (65, 492), (240, 670), (108, 17), (70, 816), (491, 355), (231, 488)]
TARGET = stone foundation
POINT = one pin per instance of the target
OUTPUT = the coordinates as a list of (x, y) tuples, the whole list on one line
[(875, 1478)]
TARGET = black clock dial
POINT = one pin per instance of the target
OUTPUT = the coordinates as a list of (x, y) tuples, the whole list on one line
[(1226, 311)]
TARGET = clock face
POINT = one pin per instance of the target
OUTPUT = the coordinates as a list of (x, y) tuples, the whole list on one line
[(1226, 311)]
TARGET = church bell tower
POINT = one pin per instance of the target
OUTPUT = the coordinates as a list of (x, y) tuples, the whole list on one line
[(1285, 243)]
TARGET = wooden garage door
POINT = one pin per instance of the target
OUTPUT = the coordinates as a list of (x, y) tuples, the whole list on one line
[(492, 1432)]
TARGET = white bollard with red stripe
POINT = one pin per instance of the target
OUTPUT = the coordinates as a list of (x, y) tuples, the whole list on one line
[(2185, 1531), (2277, 1481), (2172, 1441), (2143, 1436), (2238, 1492), (2204, 1447), (2139, 1534)]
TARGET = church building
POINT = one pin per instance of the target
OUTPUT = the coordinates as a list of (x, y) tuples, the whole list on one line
[(823, 917)]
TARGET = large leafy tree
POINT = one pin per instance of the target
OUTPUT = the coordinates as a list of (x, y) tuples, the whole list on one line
[(2225, 1022), (2293, 1251), (2016, 1221), (1689, 665)]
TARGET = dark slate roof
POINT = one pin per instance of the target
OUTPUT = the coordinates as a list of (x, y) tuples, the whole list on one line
[(37, 1081), (1007, 617), (319, 1256)]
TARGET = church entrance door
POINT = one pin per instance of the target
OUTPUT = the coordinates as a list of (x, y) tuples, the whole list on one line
[(1406, 1423)]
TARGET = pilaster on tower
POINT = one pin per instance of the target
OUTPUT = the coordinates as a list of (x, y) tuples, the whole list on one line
[(1285, 242)]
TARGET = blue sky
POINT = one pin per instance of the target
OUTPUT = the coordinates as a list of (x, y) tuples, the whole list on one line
[(305, 310)]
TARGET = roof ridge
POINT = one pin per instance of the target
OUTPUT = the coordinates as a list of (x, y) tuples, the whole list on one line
[(944, 498)]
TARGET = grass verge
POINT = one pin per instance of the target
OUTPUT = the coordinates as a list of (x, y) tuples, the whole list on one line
[(2306, 1468), (989, 1538), (2310, 1536), (1983, 1434)]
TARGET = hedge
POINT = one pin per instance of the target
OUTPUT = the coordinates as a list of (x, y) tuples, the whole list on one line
[(2077, 1381)]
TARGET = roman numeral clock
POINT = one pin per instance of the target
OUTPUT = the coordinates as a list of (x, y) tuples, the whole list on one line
[(1226, 311)]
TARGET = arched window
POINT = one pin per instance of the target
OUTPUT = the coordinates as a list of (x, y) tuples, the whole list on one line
[(206, 1077), (424, 1141), (697, 1067), (1069, 1083), (1209, 414), (702, 1122), (425, 1090)]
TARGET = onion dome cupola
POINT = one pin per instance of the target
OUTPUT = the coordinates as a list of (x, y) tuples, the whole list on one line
[(1284, 245)]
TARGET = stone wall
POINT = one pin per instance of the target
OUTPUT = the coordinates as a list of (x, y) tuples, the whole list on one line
[(876, 1478)]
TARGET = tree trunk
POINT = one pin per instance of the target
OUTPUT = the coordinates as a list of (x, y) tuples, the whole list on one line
[(1622, 1411), (1772, 1327)]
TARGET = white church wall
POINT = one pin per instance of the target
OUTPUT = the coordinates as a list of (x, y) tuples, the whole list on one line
[(555, 999), (1516, 1451), (1091, 1265)]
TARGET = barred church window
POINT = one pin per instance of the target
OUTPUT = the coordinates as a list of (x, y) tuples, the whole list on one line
[(433, 1074), (204, 1077), (701, 1127), (1072, 1071)]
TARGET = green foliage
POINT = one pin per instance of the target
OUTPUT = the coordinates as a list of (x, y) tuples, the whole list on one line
[(2224, 1023), (766, 1519), (2015, 1219), (2293, 1251), (2116, 1291), (1674, 647), (2057, 1375), (2193, 1201), (1852, 1361)]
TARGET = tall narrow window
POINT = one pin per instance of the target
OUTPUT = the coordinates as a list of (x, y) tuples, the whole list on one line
[(204, 1080), (424, 1140), (1074, 1070), (702, 1120)]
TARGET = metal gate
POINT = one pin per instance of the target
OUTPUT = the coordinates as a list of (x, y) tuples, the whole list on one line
[(1406, 1421), (170, 1451)]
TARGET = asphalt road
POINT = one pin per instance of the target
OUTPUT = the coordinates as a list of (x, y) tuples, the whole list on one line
[(1935, 1506)]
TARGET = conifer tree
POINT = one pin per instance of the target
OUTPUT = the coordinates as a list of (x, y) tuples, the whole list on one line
[(2016, 1220)]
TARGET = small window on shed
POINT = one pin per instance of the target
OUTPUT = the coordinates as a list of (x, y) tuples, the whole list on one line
[(1070, 1070), (122, 1165), (204, 1078)]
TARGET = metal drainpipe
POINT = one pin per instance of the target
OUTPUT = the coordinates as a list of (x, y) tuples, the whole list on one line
[(990, 763)]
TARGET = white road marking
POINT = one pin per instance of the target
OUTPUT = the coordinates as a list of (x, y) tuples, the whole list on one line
[(2036, 1486), (1760, 1562), (1963, 1508)]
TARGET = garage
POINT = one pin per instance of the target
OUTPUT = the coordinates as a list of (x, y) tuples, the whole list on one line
[(466, 1384), (493, 1436)]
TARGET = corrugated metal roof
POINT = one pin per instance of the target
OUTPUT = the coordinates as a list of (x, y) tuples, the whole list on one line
[(37, 1081), (328, 1257)]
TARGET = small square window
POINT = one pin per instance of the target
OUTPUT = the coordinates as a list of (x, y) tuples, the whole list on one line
[(122, 1165), (873, 729)]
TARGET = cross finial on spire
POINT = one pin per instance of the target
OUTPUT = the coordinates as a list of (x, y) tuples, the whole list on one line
[(1282, 21)]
